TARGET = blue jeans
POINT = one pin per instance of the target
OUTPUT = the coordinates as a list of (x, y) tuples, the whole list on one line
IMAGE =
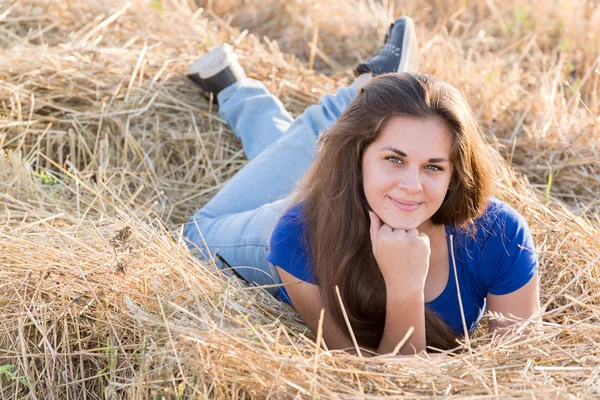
[(238, 221)]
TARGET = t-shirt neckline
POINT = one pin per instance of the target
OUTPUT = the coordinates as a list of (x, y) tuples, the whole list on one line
[(449, 286)]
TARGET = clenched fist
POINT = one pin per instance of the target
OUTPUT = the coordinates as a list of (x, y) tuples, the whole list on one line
[(402, 255)]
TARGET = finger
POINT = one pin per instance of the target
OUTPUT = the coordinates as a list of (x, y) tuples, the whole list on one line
[(386, 229), (398, 231), (399, 236), (374, 228)]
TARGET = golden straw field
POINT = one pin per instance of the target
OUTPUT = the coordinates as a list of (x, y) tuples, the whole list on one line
[(106, 148)]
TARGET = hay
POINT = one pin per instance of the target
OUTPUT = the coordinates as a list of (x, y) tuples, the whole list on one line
[(107, 148)]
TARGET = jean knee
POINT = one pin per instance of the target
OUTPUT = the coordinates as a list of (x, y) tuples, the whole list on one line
[(194, 235)]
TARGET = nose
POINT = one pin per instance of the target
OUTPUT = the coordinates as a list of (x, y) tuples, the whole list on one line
[(410, 180)]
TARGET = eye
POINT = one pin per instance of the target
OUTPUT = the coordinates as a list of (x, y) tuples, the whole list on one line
[(434, 168), (394, 159)]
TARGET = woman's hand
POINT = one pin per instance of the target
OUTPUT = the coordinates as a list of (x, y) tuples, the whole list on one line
[(402, 255)]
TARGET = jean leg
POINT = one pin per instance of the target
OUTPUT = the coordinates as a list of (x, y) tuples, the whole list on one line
[(273, 173), (238, 221), (256, 116), (242, 239)]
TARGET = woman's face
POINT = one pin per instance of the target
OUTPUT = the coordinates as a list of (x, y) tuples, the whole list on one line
[(406, 172)]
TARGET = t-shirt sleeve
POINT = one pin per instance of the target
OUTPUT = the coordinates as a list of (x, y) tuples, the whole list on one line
[(511, 254), (287, 250)]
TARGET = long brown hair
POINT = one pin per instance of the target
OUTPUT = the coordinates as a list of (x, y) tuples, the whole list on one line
[(336, 211)]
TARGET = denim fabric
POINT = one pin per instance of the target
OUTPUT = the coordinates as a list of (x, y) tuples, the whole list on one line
[(238, 221)]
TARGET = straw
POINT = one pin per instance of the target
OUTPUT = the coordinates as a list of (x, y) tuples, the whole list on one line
[(102, 137)]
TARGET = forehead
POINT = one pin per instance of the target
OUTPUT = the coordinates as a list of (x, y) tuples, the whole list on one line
[(429, 137)]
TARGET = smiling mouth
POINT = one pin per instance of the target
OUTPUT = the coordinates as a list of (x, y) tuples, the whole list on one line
[(405, 206)]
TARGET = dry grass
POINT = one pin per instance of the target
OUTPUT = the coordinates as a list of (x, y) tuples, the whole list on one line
[(103, 137)]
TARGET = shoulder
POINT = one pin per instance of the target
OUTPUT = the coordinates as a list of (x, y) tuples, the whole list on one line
[(508, 258), (499, 220), (291, 223), (294, 213)]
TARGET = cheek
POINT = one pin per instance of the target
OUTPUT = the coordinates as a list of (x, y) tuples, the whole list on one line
[(376, 179), (373, 180), (370, 185), (438, 188)]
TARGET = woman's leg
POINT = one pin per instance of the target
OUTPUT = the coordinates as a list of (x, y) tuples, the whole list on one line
[(256, 117), (242, 239), (237, 222), (274, 171)]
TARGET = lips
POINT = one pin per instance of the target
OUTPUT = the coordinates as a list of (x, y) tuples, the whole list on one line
[(405, 206)]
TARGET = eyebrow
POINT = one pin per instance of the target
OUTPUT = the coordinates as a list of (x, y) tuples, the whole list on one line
[(403, 154)]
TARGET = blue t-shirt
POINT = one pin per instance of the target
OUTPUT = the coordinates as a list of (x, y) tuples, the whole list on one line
[(499, 259)]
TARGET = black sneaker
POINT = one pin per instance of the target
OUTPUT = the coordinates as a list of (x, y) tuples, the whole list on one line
[(400, 52), (216, 70)]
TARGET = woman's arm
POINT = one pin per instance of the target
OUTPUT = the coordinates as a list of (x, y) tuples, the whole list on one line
[(522, 303), (403, 311), (307, 301), (403, 259), (513, 262)]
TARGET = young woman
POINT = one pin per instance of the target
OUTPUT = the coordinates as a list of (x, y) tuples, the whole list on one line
[(382, 192)]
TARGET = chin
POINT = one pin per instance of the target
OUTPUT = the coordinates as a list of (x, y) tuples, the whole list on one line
[(405, 227), (403, 223)]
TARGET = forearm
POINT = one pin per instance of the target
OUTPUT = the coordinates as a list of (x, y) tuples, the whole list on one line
[(403, 311)]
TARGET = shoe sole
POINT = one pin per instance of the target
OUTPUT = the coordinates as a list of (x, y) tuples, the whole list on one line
[(216, 69), (212, 62), (409, 58)]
